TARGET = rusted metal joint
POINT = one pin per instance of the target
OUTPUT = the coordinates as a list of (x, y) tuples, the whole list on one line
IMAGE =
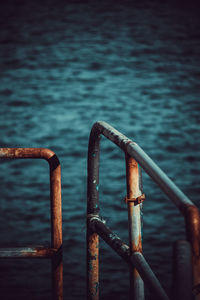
[(136, 201), (92, 216)]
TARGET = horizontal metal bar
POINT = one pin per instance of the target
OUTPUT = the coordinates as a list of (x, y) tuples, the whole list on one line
[(137, 260), (26, 153), (130, 147), (28, 252)]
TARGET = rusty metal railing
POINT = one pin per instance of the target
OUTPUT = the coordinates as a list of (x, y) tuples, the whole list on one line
[(139, 269), (54, 252)]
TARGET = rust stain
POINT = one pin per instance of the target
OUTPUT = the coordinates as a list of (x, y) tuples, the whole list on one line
[(56, 213), (136, 201), (48, 252), (26, 153), (132, 163), (39, 252), (192, 221), (93, 266), (93, 238), (132, 177), (137, 247)]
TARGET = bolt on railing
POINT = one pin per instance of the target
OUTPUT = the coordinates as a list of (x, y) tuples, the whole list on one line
[(54, 252), (134, 156)]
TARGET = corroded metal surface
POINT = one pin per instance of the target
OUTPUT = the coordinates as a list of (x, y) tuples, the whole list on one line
[(135, 151), (93, 210), (26, 153), (184, 204), (56, 226), (92, 239), (57, 275), (97, 225), (93, 265), (134, 223), (28, 252), (56, 214), (192, 221), (136, 260), (137, 200)]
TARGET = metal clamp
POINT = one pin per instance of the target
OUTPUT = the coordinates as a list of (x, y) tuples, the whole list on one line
[(136, 201)]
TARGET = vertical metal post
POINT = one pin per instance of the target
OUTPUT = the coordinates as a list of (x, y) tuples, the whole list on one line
[(182, 283), (134, 223), (192, 220), (93, 211), (56, 227), (93, 266)]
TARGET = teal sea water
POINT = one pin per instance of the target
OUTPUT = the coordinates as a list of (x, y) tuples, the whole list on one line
[(65, 65)]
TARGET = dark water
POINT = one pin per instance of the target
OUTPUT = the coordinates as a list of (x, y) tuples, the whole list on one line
[(64, 66)]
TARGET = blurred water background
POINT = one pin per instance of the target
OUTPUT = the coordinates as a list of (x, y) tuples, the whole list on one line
[(65, 65)]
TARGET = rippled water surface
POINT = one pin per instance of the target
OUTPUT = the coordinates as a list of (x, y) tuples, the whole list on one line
[(65, 65)]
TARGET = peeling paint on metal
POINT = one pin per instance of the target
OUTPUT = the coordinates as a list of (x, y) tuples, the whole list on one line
[(96, 287), (113, 236), (90, 266), (56, 216), (182, 201)]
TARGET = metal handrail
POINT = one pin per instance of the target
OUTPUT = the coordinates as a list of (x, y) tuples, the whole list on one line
[(135, 260), (55, 251), (132, 150)]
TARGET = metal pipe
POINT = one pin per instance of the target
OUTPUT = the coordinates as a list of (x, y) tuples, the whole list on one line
[(56, 210), (55, 184), (148, 276), (186, 206), (192, 221), (182, 283), (93, 210), (134, 223), (127, 145), (92, 265), (56, 226), (163, 181), (10, 153), (97, 225), (27, 252), (136, 260)]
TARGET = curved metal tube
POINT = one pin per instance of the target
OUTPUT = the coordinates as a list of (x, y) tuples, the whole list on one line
[(135, 151), (185, 205), (56, 209)]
